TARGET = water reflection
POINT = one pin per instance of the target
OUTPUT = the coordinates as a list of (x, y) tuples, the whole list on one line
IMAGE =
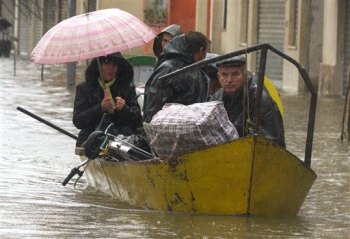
[(35, 159)]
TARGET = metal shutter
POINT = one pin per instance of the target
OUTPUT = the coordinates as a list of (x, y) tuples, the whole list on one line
[(65, 10), (38, 22), (23, 27), (347, 47), (271, 30), (49, 11)]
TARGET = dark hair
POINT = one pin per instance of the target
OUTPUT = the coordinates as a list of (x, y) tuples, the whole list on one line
[(125, 69), (114, 57), (196, 40)]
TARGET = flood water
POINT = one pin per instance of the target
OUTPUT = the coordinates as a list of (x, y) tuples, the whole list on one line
[(35, 159)]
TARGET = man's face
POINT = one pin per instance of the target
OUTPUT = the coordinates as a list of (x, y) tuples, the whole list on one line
[(109, 70), (231, 78), (166, 37)]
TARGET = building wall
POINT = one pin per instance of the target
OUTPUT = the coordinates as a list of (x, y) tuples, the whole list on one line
[(314, 35), (319, 37), (216, 25), (135, 7), (182, 13), (230, 34), (332, 66), (295, 43), (315, 43), (202, 24), (346, 77)]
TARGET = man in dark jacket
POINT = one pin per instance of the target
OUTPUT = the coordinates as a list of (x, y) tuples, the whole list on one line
[(187, 88), (111, 92), (233, 79)]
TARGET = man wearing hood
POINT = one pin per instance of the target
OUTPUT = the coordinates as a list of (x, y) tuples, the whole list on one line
[(113, 92), (187, 88), (163, 38)]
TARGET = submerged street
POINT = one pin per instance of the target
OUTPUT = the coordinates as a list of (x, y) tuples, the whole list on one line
[(35, 159)]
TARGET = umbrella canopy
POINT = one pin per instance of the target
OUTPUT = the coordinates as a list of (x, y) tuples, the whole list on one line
[(91, 35)]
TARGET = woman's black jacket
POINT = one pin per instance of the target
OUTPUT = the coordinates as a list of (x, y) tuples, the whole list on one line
[(87, 112)]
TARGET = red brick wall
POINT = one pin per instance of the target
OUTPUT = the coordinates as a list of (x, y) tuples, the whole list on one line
[(179, 12), (183, 13)]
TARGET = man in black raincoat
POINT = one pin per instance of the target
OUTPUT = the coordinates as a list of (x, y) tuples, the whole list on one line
[(187, 88), (114, 95), (233, 79), (163, 38)]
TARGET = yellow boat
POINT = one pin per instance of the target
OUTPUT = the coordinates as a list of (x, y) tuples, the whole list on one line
[(248, 176)]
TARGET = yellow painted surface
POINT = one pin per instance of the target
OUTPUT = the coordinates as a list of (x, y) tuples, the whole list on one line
[(274, 94), (216, 180), (205, 181), (280, 181), (219, 177)]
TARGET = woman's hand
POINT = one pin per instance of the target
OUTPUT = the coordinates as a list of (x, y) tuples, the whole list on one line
[(119, 103), (107, 104)]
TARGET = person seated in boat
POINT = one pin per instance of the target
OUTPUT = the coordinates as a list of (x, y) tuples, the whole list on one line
[(212, 71), (163, 38), (113, 93), (233, 78), (188, 88)]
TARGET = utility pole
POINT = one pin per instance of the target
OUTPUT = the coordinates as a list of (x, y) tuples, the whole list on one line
[(71, 67)]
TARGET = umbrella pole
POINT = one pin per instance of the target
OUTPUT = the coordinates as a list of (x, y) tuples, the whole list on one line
[(42, 72), (100, 70)]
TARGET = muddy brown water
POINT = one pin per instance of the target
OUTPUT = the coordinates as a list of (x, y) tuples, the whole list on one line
[(35, 159)]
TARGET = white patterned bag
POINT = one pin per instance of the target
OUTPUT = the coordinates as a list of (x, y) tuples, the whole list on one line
[(178, 129)]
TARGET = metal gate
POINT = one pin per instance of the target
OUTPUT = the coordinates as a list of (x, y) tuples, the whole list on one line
[(271, 30)]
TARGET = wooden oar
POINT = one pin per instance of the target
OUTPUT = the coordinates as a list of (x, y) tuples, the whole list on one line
[(47, 123)]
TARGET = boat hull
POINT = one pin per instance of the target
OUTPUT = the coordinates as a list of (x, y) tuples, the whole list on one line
[(249, 176)]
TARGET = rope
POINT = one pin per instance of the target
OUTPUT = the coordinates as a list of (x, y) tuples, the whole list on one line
[(81, 172)]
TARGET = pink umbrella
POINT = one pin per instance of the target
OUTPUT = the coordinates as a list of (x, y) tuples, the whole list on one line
[(91, 35)]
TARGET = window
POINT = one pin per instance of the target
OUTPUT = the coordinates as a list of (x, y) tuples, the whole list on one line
[(156, 12)]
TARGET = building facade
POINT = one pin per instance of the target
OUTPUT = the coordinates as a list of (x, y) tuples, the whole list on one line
[(315, 33)]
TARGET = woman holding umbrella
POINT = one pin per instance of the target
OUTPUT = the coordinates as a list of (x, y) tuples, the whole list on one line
[(111, 92)]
